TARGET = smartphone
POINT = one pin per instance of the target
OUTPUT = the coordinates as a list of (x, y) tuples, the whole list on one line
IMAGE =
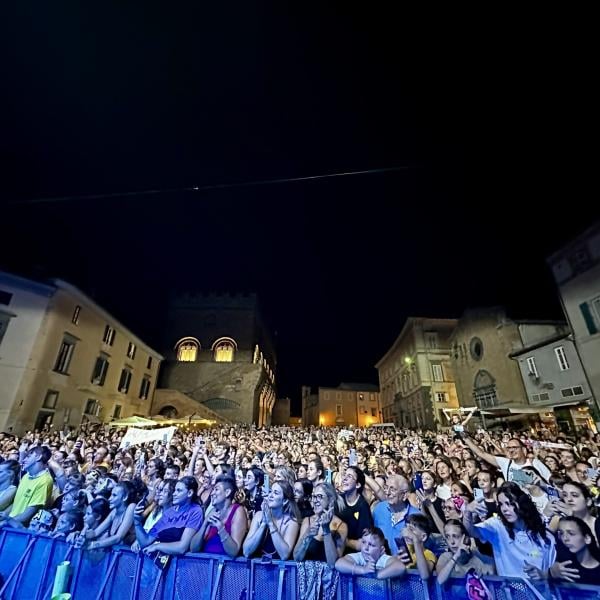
[(592, 474), (352, 461), (552, 492), (418, 481), (522, 477), (402, 546), (266, 485), (478, 494)]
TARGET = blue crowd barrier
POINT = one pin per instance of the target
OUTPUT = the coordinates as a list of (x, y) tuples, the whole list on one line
[(28, 565)]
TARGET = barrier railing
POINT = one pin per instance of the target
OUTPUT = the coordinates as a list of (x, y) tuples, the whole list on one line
[(28, 564)]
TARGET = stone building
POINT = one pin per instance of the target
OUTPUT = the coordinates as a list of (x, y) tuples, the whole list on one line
[(218, 354)]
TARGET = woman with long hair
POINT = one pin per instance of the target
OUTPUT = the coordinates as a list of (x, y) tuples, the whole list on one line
[(253, 484), (285, 473), (322, 536), (519, 537), (302, 492), (429, 502), (117, 528), (575, 501), (163, 500), (173, 532), (97, 510), (274, 528), (583, 558)]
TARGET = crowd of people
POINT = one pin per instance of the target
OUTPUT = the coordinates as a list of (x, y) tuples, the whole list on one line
[(374, 501)]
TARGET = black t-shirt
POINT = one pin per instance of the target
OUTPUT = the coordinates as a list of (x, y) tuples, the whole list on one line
[(357, 517), (588, 576)]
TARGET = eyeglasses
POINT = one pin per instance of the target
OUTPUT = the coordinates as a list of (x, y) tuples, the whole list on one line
[(391, 490), (318, 497)]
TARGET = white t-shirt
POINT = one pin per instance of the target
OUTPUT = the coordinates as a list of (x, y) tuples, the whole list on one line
[(510, 555), (507, 466), (443, 491), (360, 560)]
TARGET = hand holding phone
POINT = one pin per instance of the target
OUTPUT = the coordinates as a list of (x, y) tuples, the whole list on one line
[(403, 552)]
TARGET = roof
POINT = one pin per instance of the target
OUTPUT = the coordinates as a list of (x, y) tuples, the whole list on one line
[(358, 387), (574, 243), (428, 322), (540, 344)]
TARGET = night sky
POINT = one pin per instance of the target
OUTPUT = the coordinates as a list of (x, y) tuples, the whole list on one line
[(488, 142)]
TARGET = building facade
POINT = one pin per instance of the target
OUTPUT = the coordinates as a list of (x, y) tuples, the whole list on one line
[(576, 270), (218, 354), (65, 361), (554, 379), (281, 412), (485, 344), (348, 404), (415, 375)]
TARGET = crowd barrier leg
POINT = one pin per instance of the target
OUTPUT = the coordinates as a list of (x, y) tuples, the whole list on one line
[(18, 567), (137, 576), (281, 581), (109, 572), (156, 587), (48, 590), (216, 583)]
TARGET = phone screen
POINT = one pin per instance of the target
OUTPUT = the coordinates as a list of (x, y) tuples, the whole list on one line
[(402, 545), (418, 482), (478, 493)]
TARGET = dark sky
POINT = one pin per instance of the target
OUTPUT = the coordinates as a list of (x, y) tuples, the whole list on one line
[(491, 139)]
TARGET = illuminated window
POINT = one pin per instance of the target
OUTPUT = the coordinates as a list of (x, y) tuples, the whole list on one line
[(187, 349), (224, 350)]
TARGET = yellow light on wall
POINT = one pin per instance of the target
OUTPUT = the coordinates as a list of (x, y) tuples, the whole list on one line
[(321, 421), (407, 360)]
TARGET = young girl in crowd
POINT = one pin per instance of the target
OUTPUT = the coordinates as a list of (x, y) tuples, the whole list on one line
[(582, 562), (518, 535), (460, 557)]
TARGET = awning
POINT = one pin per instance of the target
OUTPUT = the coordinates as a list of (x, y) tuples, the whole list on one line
[(515, 409), (567, 404), (133, 422)]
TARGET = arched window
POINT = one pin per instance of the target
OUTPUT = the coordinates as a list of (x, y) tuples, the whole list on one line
[(224, 349), (187, 349)]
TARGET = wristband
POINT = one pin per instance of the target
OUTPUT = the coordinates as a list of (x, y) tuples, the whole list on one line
[(326, 529)]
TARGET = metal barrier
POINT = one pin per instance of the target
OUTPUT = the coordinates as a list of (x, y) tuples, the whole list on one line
[(28, 564)]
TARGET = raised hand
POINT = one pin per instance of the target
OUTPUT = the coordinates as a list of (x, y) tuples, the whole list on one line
[(326, 517), (313, 528)]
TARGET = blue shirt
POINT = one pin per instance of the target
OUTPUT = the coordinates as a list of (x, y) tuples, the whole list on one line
[(382, 516), (170, 526)]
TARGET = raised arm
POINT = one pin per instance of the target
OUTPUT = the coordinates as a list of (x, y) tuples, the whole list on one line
[(482, 454)]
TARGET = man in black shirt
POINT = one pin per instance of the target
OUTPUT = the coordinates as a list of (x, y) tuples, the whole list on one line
[(356, 513)]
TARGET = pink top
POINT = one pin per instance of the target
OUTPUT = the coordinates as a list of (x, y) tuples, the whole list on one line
[(212, 541)]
